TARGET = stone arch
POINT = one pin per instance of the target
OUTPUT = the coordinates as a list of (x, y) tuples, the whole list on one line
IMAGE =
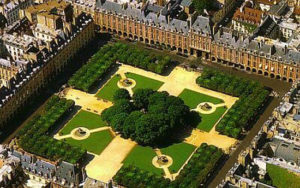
[(260, 72), (213, 59), (278, 77), (291, 80), (248, 69), (253, 70), (272, 75)]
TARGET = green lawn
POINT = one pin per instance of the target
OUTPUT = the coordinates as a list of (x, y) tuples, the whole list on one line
[(143, 82), (109, 88), (83, 119), (141, 157), (192, 98), (180, 153), (282, 178), (209, 120), (95, 143)]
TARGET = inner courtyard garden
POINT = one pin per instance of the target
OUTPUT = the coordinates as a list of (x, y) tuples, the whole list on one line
[(142, 126)]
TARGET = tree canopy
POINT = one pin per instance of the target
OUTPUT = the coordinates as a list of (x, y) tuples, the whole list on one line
[(252, 97), (33, 136), (149, 118), (200, 5), (102, 61), (193, 174)]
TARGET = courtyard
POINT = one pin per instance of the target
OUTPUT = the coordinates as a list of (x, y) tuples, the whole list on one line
[(87, 130)]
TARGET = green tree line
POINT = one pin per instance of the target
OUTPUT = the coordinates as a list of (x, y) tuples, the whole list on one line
[(252, 97), (194, 174), (34, 136), (102, 61)]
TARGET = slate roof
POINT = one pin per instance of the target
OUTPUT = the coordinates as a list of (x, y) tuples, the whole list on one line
[(287, 151), (283, 54), (62, 173), (186, 3), (43, 56), (153, 14)]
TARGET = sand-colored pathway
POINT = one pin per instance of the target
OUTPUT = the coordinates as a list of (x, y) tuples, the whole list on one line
[(212, 138), (87, 101), (104, 166), (178, 80)]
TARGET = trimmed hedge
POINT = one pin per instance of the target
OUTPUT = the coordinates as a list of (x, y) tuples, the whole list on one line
[(252, 97), (106, 57), (33, 137), (194, 174)]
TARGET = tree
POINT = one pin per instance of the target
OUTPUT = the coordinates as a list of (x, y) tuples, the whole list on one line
[(150, 118), (140, 97), (121, 94)]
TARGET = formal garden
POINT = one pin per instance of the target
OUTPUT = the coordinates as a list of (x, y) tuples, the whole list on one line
[(208, 120), (106, 58), (142, 82), (34, 136), (252, 99), (194, 173)]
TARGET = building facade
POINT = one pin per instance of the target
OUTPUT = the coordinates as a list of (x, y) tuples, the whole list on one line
[(193, 37), (45, 62)]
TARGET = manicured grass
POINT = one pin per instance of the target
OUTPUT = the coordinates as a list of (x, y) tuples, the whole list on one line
[(109, 88), (209, 120), (180, 153), (83, 119), (282, 178), (95, 143), (192, 98), (143, 82), (141, 157)]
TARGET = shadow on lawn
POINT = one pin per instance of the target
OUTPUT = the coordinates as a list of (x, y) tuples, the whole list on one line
[(180, 134), (59, 125), (100, 83)]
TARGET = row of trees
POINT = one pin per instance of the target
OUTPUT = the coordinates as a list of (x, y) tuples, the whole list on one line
[(193, 175), (141, 58), (33, 137), (94, 70), (201, 164), (134, 177), (252, 97), (149, 118), (105, 58)]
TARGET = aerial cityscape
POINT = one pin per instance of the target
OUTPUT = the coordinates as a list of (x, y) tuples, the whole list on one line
[(150, 93)]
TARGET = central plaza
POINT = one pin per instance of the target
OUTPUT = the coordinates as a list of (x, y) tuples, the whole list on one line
[(110, 151)]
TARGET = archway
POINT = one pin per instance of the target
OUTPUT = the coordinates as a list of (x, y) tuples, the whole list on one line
[(266, 74), (253, 70), (272, 75), (248, 69), (278, 77), (259, 72), (291, 80)]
